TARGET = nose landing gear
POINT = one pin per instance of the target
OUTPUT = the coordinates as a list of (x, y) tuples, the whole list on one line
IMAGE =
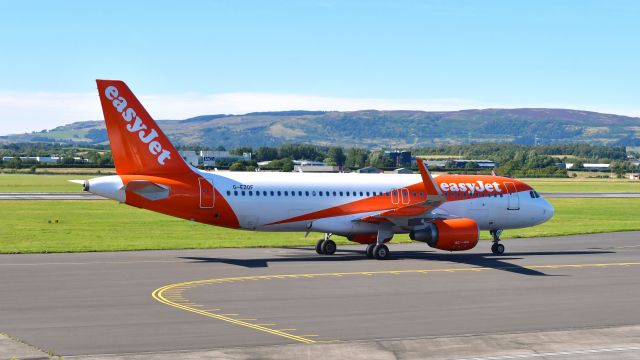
[(496, 247)]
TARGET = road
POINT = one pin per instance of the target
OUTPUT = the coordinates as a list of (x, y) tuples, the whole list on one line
[(155, 301)]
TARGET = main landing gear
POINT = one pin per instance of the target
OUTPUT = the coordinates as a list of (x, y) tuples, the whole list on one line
[(326, 246), (378, 249), (496, 248)]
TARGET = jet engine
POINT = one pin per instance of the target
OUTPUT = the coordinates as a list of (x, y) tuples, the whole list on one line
[(449, 234)]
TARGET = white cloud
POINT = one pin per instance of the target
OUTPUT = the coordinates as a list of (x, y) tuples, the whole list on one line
[(24, 111)]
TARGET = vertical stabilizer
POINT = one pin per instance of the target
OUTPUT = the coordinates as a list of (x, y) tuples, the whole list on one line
[(138, 145)]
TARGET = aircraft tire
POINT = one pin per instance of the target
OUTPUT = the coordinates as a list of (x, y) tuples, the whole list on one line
[(370, 250), (319, 246), (381, 252), (329, 247), (497, 249)]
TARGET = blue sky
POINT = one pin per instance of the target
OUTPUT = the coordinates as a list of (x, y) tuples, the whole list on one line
[(186, 58)]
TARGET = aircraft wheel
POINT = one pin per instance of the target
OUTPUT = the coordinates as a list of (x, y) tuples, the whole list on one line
[(497, 249), (328, 247), (370, 250), (319, 246), (381, 252)]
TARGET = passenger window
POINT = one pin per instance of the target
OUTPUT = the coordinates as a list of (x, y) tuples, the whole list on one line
[(334, 193), (229, 192), (264, 193), (347, 193), (235, 193), (258, 193), (299, 193), (242, 192), (415, 194), (272, 193), (313, 193), (341, 194), (361, 194), (421, 194), (279, 193), (286, 193), (250, 193), (293, 193), (319, 193), (387, 193), (367, 193)]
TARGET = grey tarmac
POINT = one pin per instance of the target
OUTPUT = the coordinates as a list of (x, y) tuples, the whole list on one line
[(573, 297)]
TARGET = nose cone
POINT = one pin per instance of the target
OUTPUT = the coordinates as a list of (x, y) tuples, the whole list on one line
[(547, 210)]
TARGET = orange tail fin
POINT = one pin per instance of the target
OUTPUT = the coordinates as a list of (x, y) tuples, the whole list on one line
[(138, 145)]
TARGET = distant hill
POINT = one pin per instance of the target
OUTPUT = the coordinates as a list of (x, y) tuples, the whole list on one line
[(371, 128)]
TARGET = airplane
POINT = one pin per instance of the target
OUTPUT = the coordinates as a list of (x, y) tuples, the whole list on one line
[(446, 212)]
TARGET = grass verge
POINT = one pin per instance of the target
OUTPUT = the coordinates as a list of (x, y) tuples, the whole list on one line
[(76, 226)]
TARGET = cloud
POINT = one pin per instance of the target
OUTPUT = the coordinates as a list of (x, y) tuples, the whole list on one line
[(33, 111)]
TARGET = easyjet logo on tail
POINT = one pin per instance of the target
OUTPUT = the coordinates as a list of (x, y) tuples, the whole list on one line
[(144, 134)]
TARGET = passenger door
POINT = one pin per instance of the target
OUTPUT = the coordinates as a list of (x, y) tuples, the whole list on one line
[(207, 195), (513, 198)]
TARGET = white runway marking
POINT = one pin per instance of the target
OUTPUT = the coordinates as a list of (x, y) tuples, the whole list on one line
[(557, 353)]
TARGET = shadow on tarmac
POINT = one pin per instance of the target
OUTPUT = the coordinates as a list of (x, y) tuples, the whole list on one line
[(480, 260)]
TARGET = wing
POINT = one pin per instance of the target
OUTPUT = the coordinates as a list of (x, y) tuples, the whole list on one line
[(405, 214)]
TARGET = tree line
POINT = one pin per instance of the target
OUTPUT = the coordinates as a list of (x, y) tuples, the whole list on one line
[(512, 159)]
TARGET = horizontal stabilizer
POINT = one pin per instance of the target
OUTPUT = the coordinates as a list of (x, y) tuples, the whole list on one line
[(148, 190)]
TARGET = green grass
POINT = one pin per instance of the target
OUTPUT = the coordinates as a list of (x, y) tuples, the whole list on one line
[(584, 185), (40, 183), (107, 226)]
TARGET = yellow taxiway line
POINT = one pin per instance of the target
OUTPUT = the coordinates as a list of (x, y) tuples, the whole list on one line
[(171, 294)]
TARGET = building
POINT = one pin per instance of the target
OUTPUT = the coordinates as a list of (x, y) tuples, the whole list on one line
[(190, 157), (316, 168), (590, 167), (482, 164), (308, 163), (208, 158), (399, 157), (634, 176), (313, 166), (369, 170), (43, 159), (440, 164), (403, 171)]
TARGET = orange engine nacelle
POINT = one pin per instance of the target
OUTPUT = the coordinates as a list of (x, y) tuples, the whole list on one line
[(450, 234)]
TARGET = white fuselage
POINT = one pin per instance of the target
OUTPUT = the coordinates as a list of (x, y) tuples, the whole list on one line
[(261, 199)]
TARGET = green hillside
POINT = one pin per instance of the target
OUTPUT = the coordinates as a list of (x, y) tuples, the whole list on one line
[(370, 128)]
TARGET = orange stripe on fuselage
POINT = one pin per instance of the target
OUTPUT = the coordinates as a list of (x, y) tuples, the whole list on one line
[(383, 202)]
